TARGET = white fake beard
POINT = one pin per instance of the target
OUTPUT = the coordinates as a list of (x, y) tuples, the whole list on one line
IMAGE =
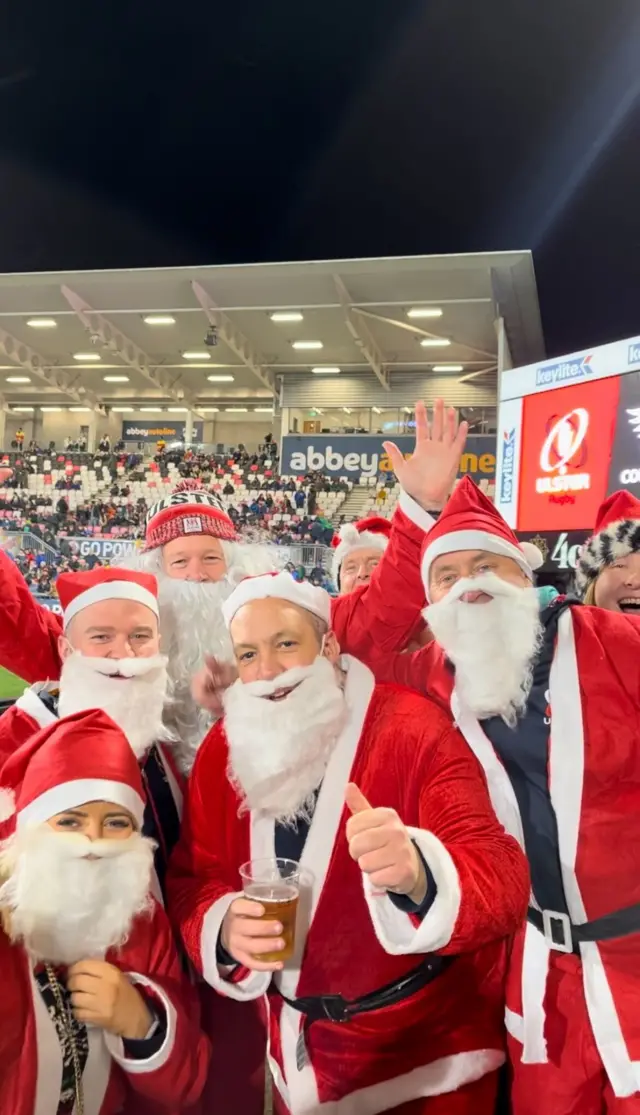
[(63, 907), (279, 750), (134, 704), (192, 627), (493, 646)]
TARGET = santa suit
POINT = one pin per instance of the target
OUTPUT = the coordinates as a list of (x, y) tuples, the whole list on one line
[(573, 1022), (402, 753), (384, 610), (170, 1080), (163, 783)]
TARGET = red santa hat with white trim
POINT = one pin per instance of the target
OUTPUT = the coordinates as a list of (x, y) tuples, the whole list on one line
[(79, 590), (470, 521), (81, 758), (616, 535), (190, 509), (367, 534), (278, 586)]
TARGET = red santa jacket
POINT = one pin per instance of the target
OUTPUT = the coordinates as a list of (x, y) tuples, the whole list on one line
[(385, 611), (403, 753), (594, 781), (30, 1054)]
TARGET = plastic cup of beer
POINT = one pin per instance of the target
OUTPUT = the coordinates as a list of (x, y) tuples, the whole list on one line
[(275, 884)]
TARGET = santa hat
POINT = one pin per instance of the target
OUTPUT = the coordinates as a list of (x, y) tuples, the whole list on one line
[(81, 758), (470, 521), (79, 590), (367, 534), (190, 509), (616, 535), (280, 586)]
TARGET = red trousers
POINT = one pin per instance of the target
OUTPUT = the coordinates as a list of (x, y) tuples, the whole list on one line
[(574, 1081), (478, 1098)]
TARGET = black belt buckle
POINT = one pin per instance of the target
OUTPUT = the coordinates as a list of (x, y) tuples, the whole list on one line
[(336, 1008)]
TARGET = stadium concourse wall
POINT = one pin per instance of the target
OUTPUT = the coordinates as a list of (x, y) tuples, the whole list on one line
[(224, 428)]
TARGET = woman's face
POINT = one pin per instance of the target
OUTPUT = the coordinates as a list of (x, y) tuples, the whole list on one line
[(618, 586)]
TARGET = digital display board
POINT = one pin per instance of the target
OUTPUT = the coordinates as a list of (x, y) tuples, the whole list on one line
[(568, 435)]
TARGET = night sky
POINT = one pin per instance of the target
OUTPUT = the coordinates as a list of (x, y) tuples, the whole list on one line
[(135, 134)]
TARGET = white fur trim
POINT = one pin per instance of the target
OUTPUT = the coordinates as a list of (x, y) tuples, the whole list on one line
[(255, 984), (7, 804), (478, 540), (394, 929), (111, 590), (280, 586), (351, 539), (419, 517), (69, 795), (514, 1024), (151, 1064), (31, 703)]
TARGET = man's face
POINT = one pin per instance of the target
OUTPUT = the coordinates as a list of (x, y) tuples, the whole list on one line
[(357, 568), (272, 636), (112, 629), (198, 558), (448, 569), (618, 586)]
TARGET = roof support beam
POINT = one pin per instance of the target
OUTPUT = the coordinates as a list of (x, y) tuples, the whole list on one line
[(412, 328), (234, 339), (481, 372), (362, 335), (128, 351), (26, 357)]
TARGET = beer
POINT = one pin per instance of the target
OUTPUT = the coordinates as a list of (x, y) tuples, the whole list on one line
[(275, 884), (280, 903)]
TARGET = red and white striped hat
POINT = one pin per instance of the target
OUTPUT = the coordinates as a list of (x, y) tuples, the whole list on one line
[(470, 521), (79, 590), (76, 760), (190, 509), (367, 534)]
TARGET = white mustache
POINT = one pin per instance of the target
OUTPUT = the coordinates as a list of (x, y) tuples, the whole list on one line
[(125, 667), (488, 583), (73, 845), (288, 680)]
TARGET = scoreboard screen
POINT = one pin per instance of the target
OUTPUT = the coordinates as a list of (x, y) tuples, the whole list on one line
[(568, 435)]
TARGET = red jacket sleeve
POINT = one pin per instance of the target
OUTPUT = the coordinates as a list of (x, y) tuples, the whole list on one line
[(480, 873), (28, 632), (174, 1076), (425, 671), (386, 611), (199, 873)]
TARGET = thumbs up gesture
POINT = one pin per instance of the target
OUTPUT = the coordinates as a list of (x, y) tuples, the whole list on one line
[(382, 848)]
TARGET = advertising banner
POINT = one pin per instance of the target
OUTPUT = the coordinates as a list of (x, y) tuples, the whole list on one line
[(567, 438), (560, 549), (107, 549), (356, 455), (584, 367), (154, 431), (51, 603)]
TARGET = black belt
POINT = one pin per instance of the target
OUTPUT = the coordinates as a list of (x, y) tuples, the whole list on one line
[(334, 1008), (563, 936)]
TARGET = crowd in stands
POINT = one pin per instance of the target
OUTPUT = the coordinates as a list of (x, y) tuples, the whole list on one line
[(70, 494)]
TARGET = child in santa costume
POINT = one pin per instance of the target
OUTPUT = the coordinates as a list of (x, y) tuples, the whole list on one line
[(549, 703), (110, 650), (394, 996), (608, 570), (96, 1018)]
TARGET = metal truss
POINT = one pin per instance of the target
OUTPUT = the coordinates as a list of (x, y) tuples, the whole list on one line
[(128, 351), (362, 335), (68, 383), (234, 339)]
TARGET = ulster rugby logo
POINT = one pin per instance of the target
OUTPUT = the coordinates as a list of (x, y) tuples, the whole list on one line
[(564, 445)]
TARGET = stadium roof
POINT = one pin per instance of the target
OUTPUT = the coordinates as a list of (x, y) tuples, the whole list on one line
[(90, 339)]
